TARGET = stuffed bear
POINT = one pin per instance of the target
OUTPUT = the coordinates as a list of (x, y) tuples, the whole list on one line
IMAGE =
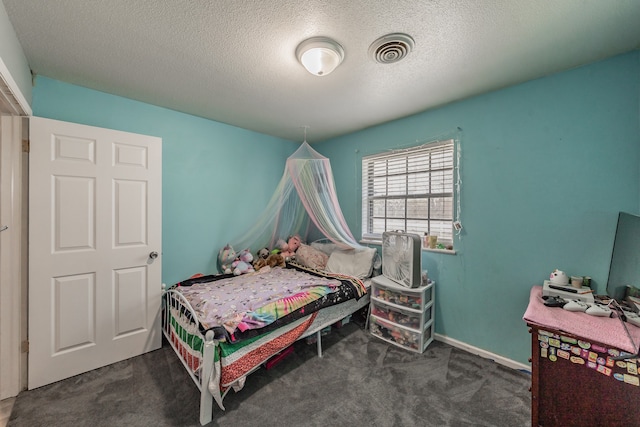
[(226, 256), (273, 260), (288, 249), (242, 263)]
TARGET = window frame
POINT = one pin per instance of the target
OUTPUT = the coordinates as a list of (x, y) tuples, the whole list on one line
[(447, 148)]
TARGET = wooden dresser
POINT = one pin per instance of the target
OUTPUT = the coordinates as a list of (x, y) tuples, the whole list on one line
[(575, 381)]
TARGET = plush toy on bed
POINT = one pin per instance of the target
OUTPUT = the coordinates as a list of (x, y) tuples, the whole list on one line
[(273, 260), (293, 243), (262, 253), (288, 249), (242, 263), (226, 256)]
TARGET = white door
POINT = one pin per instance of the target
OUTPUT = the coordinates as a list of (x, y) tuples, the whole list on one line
[(94, 245)]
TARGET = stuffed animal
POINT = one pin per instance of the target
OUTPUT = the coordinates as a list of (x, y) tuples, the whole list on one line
[(279, 245), (261, 262), (242, 263), (273, 260), (262, 253), (290, 247), (226, 256)]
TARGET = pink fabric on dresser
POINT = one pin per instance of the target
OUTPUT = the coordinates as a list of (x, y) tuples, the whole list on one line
[(604, 330)]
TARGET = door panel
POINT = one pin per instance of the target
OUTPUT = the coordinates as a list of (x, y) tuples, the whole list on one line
[(74, 215), (95, 215), (73, 313), (130, 287), (130, 199)]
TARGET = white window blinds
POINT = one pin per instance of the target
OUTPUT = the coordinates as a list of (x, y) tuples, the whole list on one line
[(410, 190)]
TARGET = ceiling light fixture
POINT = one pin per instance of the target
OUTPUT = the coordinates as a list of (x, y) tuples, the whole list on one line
[(319, 55)]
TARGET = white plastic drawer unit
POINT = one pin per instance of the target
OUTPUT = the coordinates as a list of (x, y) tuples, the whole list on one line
[(400, 315)]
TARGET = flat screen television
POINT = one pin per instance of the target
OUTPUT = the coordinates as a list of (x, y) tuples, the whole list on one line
[(625, 258)]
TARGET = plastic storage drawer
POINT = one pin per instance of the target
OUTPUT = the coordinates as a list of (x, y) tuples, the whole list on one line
[(385, 290), (413, 319), (404, 337)]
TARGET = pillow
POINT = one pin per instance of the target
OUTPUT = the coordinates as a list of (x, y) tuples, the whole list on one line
[(353, 262), (310, 257), (325, 246)]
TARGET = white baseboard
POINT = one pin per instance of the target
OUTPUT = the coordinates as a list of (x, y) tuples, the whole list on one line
[(483, 353)]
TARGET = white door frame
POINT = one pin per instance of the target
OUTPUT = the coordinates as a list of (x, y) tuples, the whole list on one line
[(12, 280), (14, 165)]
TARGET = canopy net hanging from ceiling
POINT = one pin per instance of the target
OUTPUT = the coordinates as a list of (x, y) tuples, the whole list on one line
[(305, 203)]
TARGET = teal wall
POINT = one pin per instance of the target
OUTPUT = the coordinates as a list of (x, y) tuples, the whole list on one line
[(216, 178), (545, 168)]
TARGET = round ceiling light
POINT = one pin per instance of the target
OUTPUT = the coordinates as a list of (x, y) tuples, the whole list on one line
[(391, 48), (319, 55)]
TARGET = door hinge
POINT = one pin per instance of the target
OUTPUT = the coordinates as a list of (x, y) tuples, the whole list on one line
[(24, 347), (25, 145)]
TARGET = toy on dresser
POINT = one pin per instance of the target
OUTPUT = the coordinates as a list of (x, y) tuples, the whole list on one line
[(599, 308)]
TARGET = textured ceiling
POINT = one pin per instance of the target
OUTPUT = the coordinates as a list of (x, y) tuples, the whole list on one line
[(234, 61)]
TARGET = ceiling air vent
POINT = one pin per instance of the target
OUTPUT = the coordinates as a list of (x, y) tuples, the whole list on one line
[(391, 48)]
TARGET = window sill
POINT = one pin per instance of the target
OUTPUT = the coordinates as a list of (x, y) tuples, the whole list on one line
[(439, 251), (370, 242)]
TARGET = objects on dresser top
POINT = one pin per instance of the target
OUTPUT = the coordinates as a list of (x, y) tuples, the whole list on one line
[(575, 305), (603, 307), (632, 318), (632, 298), (559, 277), (625, 313), (567, 292), (552, 301), (576, 281), (599, 310)]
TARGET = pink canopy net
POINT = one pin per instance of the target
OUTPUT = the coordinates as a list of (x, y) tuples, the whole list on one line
[(304, 203)]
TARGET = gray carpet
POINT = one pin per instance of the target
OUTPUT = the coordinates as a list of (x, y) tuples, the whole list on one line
[(360, 381)]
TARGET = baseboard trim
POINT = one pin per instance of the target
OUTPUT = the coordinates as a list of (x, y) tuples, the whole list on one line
[(484, 353)]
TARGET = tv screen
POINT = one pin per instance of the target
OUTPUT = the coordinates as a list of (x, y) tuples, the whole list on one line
[(625, 258)]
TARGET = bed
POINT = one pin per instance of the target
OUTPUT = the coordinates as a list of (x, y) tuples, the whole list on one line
[(224, 327)]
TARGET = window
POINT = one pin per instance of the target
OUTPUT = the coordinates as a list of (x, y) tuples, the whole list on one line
[(410, 190)]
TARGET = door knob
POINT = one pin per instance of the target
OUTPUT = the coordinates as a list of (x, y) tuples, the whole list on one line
[(4, 227), (153, 255)]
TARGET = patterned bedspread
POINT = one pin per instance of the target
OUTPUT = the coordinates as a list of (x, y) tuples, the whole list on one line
[(253, 301), (237, 360), (232, 361), (238, 354)]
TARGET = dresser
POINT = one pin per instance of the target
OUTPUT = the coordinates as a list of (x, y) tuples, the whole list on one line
[(575, 379), (400, 315)]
